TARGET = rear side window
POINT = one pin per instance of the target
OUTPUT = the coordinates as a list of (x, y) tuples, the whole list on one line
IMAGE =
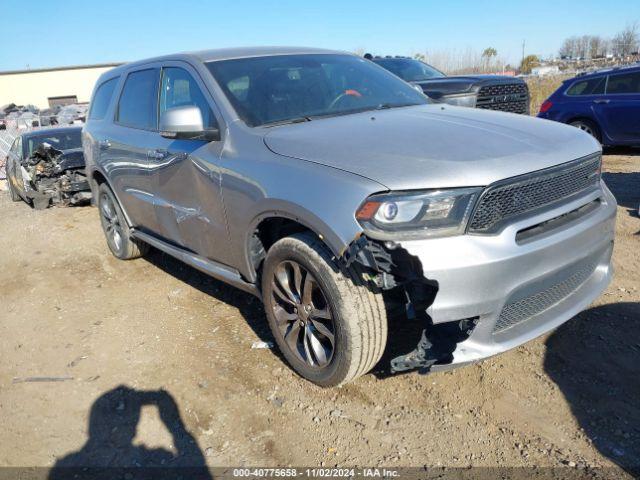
[(138, 105), (624, 83), (593, 86), (179, 89), (102, 99)]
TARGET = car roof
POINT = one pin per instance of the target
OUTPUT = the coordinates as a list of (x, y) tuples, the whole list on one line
[(48, 131), (226, 54), (607, 71)]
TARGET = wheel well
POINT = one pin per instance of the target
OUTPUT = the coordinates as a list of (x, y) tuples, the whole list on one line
[(598, 131), (584, 119), (268, 232), (98, 178)]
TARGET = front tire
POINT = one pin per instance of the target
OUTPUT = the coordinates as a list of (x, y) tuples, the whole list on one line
[(329, 325), (115, 228)]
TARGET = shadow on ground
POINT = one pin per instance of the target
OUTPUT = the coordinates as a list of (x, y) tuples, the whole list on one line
[(109, 452), (595, 360), (625, 186), (249, 306)]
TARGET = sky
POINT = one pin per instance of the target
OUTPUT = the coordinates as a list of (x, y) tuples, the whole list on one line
[(49, 33)]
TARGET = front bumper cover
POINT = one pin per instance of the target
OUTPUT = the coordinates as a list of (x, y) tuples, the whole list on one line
[(478, 276)]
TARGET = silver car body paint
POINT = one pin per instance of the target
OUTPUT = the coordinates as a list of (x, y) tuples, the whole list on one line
[(208, 197)]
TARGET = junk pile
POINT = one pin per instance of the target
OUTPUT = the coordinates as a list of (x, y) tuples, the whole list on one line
[(55, 177)]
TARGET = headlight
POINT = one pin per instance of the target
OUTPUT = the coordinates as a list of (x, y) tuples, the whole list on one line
[(413, 215), (461, 100)]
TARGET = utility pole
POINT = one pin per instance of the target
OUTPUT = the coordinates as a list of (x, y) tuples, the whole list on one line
[(523, 42)]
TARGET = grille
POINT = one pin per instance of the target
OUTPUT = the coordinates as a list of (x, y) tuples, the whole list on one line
[(517, 312), (510, 97), (528, 193)]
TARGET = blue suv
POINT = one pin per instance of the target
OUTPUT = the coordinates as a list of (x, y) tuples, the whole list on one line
[(605, 104)]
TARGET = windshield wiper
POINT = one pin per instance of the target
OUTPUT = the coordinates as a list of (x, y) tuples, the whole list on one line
[(287, 121)]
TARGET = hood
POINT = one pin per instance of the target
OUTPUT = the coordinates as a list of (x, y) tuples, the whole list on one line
[(71, 159), (441, 86), (432, 146)]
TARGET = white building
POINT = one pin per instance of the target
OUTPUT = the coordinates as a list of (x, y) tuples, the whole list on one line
[(543, 70), (45, 87)]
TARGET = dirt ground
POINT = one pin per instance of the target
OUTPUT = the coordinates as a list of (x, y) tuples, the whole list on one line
[(114, 345)]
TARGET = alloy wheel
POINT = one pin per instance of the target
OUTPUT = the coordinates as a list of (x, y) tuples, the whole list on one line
[(111, 222), (302, 314), (585, 128)]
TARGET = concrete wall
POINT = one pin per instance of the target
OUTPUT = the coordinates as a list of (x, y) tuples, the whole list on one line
[(35, 87)]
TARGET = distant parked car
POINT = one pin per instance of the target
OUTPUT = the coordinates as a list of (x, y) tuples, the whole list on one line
[(46, 167), (72, 114), (490, 92), (49, 116), (605, 104), (27, 120)]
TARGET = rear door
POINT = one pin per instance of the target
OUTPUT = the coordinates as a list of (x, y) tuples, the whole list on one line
[(619, 113), (185, 174), (583, 98), (124, 150)]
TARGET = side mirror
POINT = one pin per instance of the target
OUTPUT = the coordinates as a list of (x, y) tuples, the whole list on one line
[(186, 123)]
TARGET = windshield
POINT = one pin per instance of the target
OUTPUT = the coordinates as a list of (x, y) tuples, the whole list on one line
[(285, 88), (408, 69), (59, 141)]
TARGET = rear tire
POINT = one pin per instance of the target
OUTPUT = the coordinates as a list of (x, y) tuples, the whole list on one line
[(588, 127), (329, 325), (115, 227)]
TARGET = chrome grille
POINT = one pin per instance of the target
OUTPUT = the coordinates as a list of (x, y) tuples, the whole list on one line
[(521, 310), (510, 97), (528, 193)]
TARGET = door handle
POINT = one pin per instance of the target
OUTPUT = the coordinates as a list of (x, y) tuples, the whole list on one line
[(104, 144), (157, 154), (601, 100)]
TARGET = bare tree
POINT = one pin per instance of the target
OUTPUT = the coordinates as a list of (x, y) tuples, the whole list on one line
[(596, 46), (626, 41)]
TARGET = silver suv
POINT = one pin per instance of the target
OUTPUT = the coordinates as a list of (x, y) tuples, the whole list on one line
[(332, 190)]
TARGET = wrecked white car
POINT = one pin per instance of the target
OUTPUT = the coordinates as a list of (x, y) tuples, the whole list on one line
[(46, 167)]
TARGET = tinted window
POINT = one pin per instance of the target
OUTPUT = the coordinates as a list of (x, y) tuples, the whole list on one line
[(282, 88), (102, 99), (592, 86), (624, 83), (180, 89), (409, 69), (138, 106)]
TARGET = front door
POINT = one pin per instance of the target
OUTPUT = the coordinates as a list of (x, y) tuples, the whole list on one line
[(619, 112), (185, 174)]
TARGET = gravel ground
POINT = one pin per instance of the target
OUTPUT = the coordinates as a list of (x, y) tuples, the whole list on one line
[(92, 347)]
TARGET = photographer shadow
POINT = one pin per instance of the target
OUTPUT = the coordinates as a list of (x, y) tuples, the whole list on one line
[(110, 453)]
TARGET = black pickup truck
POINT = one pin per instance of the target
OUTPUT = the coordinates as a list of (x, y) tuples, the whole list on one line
[(492, 92)]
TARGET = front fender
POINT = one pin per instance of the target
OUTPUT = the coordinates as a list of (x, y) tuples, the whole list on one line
[(323, 199)]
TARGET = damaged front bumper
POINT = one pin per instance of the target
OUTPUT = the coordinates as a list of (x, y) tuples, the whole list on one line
[(510, 288)]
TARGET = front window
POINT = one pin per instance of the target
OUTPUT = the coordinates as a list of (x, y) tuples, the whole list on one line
[(60, 141), (179, 89), (285, 88), (408, 69), (624, 83)]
